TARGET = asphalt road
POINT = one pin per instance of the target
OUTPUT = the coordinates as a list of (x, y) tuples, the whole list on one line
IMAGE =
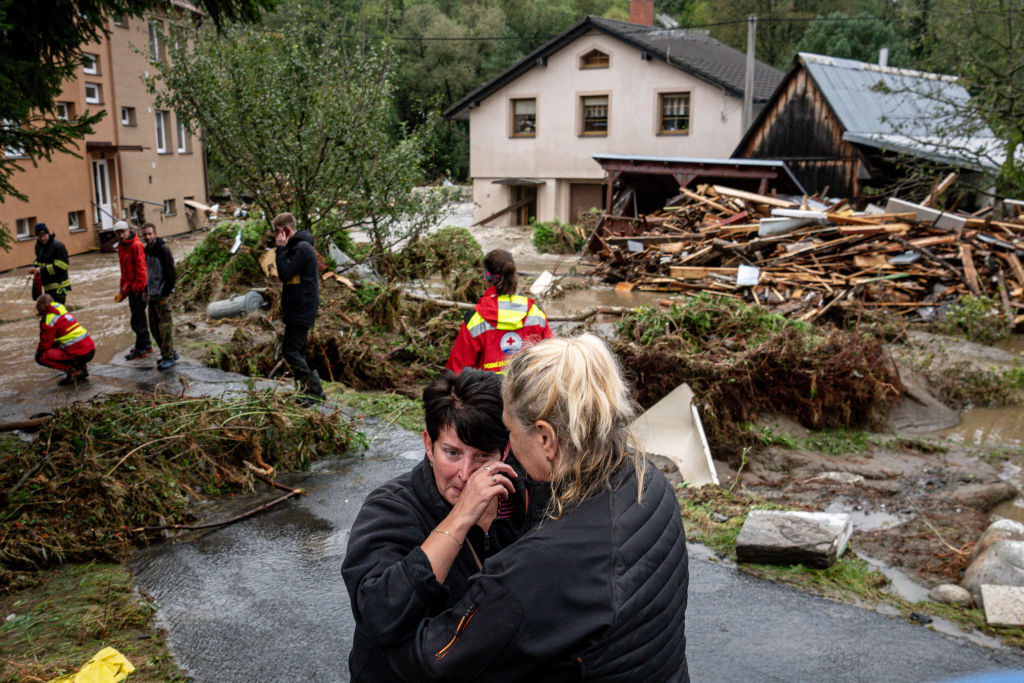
[(263, 601)]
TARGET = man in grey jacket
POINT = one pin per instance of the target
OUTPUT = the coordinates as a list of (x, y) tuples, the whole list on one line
[(160, 279)]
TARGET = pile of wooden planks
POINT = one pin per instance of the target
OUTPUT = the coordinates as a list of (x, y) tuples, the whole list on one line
[(803, 258)]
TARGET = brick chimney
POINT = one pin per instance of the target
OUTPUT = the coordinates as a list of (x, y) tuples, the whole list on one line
[(641, 12)]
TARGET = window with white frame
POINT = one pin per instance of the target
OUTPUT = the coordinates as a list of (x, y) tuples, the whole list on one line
[(170, 207), (64, 111), (155, 48), (24, 227), (90, 64), (161, 131), (121, 20), (76, 220), (12, 151), (184, 139), (93, 94), (128, 116)]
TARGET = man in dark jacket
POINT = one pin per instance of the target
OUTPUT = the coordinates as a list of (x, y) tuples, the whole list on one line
[(300, 299), (160, 278), (132, 256), (51, 264)]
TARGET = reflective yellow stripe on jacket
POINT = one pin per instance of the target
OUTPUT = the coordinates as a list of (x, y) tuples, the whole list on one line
[(512, 308), (73, 334)]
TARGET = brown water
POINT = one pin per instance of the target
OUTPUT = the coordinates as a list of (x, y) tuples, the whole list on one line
[(95, 279)]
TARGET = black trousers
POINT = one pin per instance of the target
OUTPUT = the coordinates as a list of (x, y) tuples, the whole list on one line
[(293, 348), (138, 322)]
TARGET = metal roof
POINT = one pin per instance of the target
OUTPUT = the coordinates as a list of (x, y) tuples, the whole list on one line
[(901, 110)]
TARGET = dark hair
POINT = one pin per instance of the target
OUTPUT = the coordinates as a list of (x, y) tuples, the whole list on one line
[(285, 219), (470, 403), (502, 268), (148, 225)]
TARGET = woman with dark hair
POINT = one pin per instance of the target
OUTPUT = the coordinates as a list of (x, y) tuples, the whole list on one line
[(597, 590), (501, 324), (419, 537)]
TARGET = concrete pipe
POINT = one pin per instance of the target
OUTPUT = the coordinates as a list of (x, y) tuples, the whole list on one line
[(240, 304)]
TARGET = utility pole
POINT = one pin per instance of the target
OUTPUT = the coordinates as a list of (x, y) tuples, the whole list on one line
[(748, 81)]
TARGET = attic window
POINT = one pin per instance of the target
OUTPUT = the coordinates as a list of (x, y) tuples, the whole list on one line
[(595, 59)]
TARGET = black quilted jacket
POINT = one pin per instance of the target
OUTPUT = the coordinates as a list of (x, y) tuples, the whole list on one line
[(598, 595)]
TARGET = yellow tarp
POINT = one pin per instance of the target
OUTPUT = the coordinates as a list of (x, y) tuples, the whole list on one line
[(107, 666)]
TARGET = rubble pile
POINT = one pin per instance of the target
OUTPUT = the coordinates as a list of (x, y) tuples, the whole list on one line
[(801, 258)]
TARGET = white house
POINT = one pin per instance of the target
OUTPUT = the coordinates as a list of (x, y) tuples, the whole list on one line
[(600, 87)]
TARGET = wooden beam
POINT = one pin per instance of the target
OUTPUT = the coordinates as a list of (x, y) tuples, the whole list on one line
[(938, 189), (970, 272), (511, 207), (1015, 266), (704, 200), (754, 197)]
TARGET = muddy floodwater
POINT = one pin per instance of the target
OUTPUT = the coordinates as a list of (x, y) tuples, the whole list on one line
[(95, 279)]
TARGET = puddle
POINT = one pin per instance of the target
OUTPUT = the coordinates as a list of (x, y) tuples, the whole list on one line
[(901, 584), (867, 521), (984, 426)]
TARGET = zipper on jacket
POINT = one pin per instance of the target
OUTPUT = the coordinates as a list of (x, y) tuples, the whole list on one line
[(463, 622)]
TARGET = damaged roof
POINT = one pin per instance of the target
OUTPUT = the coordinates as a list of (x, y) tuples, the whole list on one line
[(687, 50)]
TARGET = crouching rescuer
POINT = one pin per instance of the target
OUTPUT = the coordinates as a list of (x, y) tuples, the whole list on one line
[(300, 299), (63, 343)]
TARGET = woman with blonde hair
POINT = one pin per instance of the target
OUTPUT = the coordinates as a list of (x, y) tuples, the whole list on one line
[(597, 590)]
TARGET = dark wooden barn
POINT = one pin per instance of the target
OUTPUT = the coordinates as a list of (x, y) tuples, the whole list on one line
[(844, 127)]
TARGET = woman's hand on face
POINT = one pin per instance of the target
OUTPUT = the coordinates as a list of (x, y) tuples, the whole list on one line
[(493, 480)]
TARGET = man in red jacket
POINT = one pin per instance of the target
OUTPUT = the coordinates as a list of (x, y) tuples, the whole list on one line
[(63, 343), (132, 255)]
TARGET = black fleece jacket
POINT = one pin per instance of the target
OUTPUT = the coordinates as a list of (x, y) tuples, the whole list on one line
[(297, 268), (390, 583), (597, 595)]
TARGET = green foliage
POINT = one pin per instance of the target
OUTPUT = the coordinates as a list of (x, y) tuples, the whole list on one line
[(555, 237), (389, 407), (451, 253), (41, 50), (860, 37), (705, 316), (73, 612), (830, 441), (139, 460), (839, 441), (975, 318), (211, 264), (305, 123), (767, 436)]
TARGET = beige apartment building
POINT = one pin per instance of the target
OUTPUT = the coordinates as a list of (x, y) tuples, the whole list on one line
[(601, 87), (139, 163)]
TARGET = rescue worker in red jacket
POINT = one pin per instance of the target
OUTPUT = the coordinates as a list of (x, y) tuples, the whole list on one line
[(63, 343), (502, 322), (132, 255)]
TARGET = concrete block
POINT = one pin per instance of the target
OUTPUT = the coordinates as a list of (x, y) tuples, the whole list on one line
[(787, 537), (1004, 605)]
